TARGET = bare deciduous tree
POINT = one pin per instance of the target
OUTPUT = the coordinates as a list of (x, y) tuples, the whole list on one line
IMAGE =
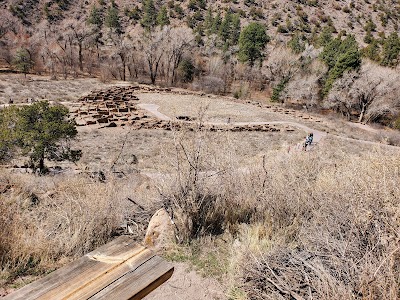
[(7, 26), (281, 64), (305, 85), (180, 40), (152, 45), (80, 34), (371, 94)]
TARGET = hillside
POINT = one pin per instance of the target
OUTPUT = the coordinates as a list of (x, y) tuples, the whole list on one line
[(281, 17)]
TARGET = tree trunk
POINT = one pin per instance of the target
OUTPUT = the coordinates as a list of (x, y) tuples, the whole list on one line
[(363, 108), (123, 60), (123, 71), (41, 164), (80, 56), (152, 77)]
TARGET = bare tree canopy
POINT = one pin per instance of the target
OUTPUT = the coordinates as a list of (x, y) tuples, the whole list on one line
[(371, 94)]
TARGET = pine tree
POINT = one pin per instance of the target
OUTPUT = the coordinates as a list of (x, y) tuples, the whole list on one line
[(372, 51), (252, 41), (38, 130), (296, 44), (216, 23), (149, 15), (95, 17), (112, 20), (162, 17), (368, 37), (225, 27), (202, 4), (208, 22), (391, 50), (325, 37), (235, 30), (340, 56)]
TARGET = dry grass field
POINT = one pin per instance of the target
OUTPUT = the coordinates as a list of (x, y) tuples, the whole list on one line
[(18, 88), (256, 216)]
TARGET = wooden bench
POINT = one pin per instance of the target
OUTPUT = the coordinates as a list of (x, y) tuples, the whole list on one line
[(118, 270)]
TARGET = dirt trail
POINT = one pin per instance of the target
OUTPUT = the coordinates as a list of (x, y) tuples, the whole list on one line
[(185, 285), (153, 108), (318, 135)]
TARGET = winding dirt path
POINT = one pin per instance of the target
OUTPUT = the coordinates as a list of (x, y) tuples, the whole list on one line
[(318, 135)]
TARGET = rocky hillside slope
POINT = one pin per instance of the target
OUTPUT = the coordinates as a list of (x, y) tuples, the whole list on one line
[(282, 17)]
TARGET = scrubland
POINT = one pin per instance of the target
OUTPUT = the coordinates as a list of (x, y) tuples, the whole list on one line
[(266, 222), (317, 225)]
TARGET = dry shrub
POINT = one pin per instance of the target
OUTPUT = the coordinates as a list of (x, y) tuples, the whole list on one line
[(209, 84), (45, 219), (190, 193), (334, 221), (327, 221), (107, 72), (196, 189), (389, 137)]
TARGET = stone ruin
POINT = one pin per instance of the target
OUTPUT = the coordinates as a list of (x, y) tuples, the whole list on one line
[(108, 108), (117, 106)]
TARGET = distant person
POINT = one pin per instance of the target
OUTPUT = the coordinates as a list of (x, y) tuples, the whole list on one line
[(11, 101), (308, 141), (310, 138)]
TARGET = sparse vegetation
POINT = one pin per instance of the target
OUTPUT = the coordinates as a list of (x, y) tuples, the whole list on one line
[(279, 231), (264, 219)]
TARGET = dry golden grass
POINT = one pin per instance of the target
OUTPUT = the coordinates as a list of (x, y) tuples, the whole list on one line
[(47, 221), (320, 224), (19, 89), (219, 109)]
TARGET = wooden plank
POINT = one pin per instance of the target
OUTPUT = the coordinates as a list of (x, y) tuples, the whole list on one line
[(107, 278), (139, 283), (72, 276), (97, 271)]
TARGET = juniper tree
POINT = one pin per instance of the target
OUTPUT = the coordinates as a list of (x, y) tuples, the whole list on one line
[(40, 131)]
